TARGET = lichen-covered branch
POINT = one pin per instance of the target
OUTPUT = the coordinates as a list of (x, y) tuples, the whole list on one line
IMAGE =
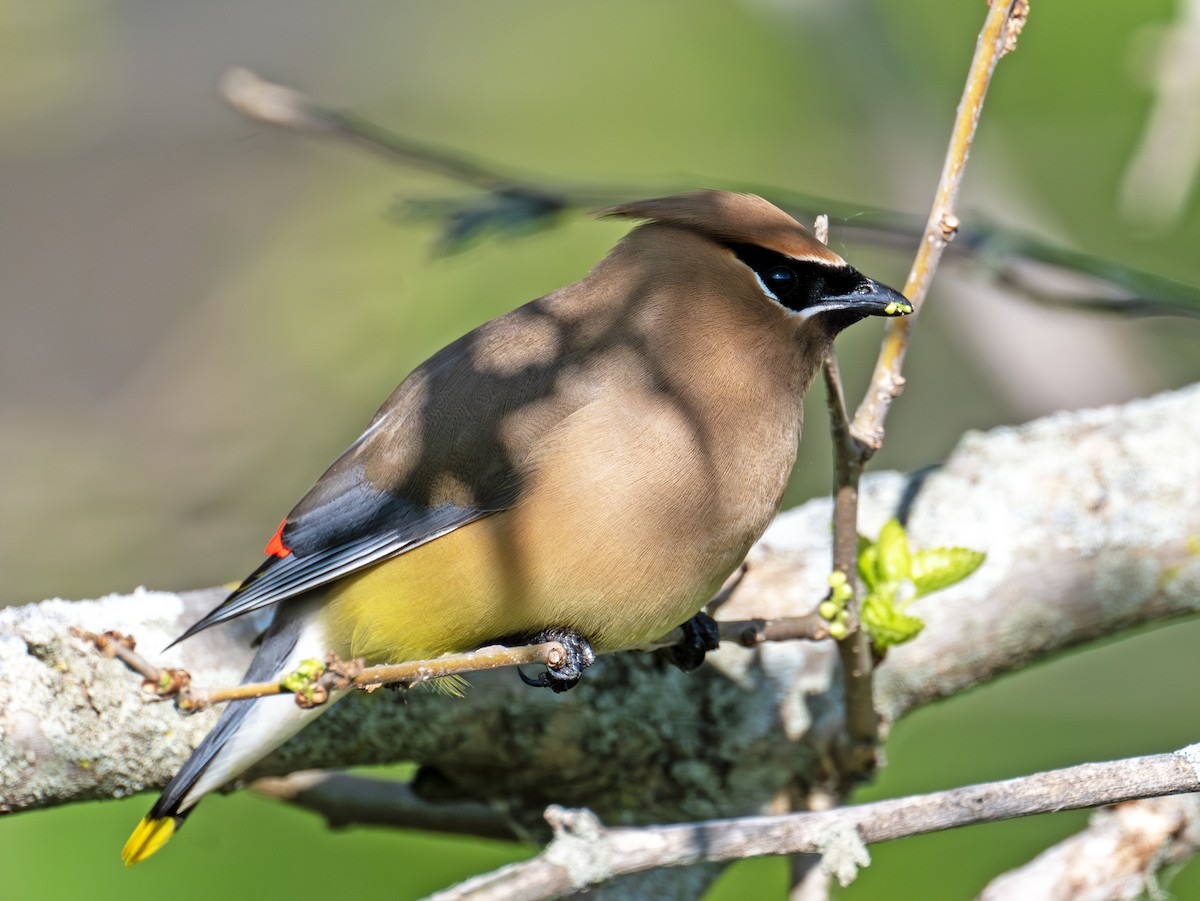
[(1090, 521), (584, 853)]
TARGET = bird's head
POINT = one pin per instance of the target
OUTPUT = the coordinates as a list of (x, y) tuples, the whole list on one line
[(764, 254)]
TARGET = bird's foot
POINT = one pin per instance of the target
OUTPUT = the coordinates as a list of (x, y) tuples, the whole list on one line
[(579, 657), (700, 635)]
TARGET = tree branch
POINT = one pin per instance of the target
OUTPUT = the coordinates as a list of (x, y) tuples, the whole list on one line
[(1089, 520), (584, 853)]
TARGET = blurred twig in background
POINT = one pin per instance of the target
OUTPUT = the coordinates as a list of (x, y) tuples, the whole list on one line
[(508, 205)]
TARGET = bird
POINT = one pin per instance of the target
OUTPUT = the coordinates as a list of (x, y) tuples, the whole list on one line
[(591, 467)]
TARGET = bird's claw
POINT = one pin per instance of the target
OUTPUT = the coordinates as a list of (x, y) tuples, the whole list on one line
[(700, 635), (579, 656)]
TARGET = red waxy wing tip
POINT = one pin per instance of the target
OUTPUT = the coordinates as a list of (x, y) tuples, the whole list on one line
[(275, 547)]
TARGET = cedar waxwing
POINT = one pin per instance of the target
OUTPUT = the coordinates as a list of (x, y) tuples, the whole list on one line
[(592, 466)]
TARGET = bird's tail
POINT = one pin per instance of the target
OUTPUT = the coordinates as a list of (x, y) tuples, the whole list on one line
[(246, 732)]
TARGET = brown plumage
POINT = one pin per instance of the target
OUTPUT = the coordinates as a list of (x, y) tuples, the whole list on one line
[(596, 461)]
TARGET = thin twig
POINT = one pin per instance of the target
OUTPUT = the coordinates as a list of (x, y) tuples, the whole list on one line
[(854, 650), (163, 681), (751, 632), (550, 653), (835, 396), (256, 98), (339, 675), (585, 853), (511, 201), (1002, 24), (123, 647)]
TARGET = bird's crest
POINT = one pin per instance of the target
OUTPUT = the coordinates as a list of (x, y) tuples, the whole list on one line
[(731, 219)]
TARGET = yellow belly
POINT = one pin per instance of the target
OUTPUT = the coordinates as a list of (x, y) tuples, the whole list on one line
[(620, 544), (474, 586)]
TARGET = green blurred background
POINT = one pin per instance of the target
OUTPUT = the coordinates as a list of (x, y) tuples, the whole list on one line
[(199, 313)]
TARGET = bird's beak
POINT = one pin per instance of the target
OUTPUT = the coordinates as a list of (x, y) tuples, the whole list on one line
[(869, 299)]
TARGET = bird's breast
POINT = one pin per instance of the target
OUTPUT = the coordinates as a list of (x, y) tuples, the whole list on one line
[(633, 511)]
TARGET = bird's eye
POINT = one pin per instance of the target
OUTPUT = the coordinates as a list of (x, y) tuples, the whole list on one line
[(787, 280), (780, 277)]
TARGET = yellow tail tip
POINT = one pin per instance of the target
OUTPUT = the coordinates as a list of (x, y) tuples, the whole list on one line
[(148, 837)]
